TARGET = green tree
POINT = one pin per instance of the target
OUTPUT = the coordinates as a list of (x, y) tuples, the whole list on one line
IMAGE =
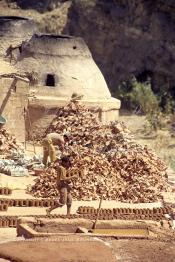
[(143, 96)]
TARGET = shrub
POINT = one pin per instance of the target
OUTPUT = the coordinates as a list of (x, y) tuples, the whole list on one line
[(139, 96), (143, 96)]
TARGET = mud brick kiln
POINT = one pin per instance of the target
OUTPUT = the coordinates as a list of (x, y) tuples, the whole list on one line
[(40, 72)]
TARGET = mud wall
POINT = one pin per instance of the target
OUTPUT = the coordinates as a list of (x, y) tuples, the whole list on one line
[(43, 109), (13, 99)]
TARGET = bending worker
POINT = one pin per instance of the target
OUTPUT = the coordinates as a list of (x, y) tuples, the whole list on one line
[(49, 143), (64, 185)]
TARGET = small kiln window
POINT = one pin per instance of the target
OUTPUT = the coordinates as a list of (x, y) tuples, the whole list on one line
[(50, 80)]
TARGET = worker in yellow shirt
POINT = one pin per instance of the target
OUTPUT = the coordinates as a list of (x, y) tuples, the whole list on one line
[(49, 143), (64, 185)]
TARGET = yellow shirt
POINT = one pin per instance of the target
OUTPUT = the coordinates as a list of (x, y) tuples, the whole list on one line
[(61, 174), (57, 139)]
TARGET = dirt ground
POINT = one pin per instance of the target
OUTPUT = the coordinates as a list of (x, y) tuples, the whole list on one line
[(143, 251), (162, 142), (7, 234), (56, 251), (90, 251), (123, 250)]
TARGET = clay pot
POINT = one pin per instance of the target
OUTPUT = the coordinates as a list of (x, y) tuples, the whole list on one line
[(10, 222), (5, 207), (5, 223), (2, 190), (16, 202), (36, 203), (31, 202), (6, 191), (15, 222), (52, 202), (9, 191)]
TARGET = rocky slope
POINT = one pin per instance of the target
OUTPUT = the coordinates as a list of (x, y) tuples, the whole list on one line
[(129, 37), (125, 37)]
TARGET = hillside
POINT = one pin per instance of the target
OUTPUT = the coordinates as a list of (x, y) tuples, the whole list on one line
[(125, 37)]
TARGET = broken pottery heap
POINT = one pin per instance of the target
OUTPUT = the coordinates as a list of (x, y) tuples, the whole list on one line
[(13, 160), (115, 166), (8, 144)]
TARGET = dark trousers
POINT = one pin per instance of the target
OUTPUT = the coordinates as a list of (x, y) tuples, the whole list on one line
[(65, 196)]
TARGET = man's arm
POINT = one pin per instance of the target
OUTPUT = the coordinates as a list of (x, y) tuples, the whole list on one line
[(57, 139), (61, 174), (61, 145), (69, 178)]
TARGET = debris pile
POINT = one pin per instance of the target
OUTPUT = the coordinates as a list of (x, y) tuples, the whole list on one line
[(115, 166), (45, 185), (13, 160), (8, 144)]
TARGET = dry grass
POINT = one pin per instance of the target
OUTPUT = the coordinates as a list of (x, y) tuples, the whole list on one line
[(162, 142), (50, 22)]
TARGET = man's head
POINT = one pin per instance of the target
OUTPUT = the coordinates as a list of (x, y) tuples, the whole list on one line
[(46, 142), (65, 161), (66, 137), (75, 97)]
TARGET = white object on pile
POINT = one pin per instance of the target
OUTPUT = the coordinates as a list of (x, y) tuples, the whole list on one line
[(173, 227), (19, 171), (10, 168)]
